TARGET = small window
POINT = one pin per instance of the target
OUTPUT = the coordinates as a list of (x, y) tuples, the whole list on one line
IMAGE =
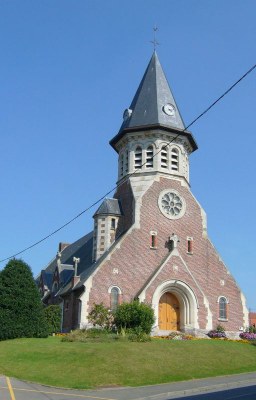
[(66, 305), (138, 158), (149, 157), (164, 157), (190, 245), (153, 240), (171, 245), (174, 159), (222, 308), (113, 223), (114, 298)]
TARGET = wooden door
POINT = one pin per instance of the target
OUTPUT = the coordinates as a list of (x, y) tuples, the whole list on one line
[(169, 312)]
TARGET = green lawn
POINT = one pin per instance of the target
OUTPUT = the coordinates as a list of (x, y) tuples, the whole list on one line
[(122, 363)]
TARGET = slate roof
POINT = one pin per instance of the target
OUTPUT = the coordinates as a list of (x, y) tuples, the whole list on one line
[(86, 274), (47, 278), (66, 274), (147, 107), (152, 95), (109, 207), (81, 248)]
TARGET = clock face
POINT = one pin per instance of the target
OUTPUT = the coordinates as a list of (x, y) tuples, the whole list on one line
[(171, 204), (169, 109)]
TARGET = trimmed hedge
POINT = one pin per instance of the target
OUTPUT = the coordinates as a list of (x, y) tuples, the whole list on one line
[(21, 310), (52, 316)]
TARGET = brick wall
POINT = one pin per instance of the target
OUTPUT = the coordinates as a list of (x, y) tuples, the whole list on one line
[(136, 262)]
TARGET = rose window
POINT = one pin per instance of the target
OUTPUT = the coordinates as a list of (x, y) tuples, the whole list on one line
[(171, 204)]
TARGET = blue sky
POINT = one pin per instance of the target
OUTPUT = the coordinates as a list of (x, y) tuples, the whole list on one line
[(68, 70)]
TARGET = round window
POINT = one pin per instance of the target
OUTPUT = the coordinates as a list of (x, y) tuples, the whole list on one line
[(171, 204)]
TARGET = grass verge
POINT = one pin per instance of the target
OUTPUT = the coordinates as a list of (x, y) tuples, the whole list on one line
[(121, 363)]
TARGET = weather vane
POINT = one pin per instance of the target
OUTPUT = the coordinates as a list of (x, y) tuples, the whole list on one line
[(155, 42)]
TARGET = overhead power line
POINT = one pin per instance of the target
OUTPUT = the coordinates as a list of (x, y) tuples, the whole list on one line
[(129, 175)]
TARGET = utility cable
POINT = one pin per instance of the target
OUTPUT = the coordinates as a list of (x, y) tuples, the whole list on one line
[(132, 174)]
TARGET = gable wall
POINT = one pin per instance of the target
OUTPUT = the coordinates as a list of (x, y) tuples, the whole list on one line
[(133, 263)]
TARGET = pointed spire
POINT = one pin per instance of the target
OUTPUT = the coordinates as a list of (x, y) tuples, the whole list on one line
[(153, 106), (153, 102)]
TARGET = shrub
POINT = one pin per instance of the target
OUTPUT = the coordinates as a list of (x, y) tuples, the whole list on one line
[(100, 316), (134, 315), (52, 315), (252, 329), (21, 310), (220, 328)]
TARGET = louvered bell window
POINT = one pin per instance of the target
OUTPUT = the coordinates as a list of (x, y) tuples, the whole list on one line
[(174, 159), (149, 157), (138, 158), (164, 157)]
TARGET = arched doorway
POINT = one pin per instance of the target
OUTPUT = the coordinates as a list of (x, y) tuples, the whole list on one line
[(169, 312)]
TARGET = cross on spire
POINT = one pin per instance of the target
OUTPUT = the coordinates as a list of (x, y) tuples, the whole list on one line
[(155, 42)]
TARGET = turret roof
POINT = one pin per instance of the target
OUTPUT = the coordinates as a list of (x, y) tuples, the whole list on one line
[(109, 207)]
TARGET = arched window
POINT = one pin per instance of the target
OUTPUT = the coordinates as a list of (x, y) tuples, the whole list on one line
[(164, 157), (174, 159), (222, 308), (121, 165), (114, 298), (149, 157), (126, 161), (138, 158)]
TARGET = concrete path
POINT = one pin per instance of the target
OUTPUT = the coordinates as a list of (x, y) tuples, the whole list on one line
[(13, 389)]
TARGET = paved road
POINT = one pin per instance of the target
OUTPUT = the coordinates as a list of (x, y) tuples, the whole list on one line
[(244, 393), (237, 387)]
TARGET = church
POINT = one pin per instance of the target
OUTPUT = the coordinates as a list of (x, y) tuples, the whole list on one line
[(150, 241)]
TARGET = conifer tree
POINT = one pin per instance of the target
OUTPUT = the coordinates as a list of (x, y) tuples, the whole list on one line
[(21, 310)]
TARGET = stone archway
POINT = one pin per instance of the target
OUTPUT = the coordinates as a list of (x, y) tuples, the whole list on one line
[(175, 306)]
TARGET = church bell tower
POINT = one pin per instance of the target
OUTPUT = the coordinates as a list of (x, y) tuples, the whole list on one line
[(152, 139)]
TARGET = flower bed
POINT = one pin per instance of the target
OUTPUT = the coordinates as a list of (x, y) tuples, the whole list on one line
[(176, 336), (216, 334), (248, 336)]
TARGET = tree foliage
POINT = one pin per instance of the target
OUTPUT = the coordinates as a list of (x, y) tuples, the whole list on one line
[(134, 315), (52, 316), (21, 310)]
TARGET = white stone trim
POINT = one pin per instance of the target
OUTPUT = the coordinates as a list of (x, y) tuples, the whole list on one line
[(224, 297), (157, 138), (84, 303), (245, 311), (116, 287), (206, 301), (187, 299), (142, 295)]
